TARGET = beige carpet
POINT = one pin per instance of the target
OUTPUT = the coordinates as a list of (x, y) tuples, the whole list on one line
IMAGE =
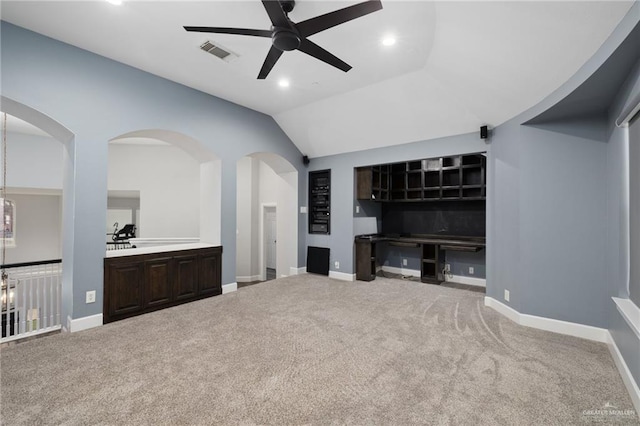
[(310, 350)]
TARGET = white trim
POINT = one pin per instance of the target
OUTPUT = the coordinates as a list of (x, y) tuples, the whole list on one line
[(630, 312), (248, 279), (461, 279), (84, 323), (262, 252), (562, 327), (342, 276), (401, 271), (503, 309), (625, 373), (297, 271), (30, 334), (229, 288)]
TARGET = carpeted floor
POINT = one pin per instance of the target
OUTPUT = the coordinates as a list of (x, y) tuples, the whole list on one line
[(311, 350)]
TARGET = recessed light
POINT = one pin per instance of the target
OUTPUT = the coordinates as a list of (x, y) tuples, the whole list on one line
[(389, 41), (116, 2), (283, 83)]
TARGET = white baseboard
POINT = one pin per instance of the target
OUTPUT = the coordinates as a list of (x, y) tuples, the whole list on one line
[(562, 327), (630, 312), (479, 282), (229, 288), (623, 369), (84, 323), (297, 271), (248, 279), (402, 271), (342, 276)]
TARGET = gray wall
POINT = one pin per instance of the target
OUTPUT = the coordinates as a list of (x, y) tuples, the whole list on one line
[(547, 204), (97, 99), (617, 242), (38, 228)]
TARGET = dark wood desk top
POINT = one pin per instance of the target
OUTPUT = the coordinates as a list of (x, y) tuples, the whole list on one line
[(449, 240)]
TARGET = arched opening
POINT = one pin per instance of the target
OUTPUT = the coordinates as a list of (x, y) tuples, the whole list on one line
[(167, 184), (267, 230), (40, 181)]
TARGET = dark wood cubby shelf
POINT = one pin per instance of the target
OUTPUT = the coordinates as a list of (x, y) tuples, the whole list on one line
[(458, 177)]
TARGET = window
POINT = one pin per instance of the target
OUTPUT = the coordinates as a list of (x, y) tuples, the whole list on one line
[(9, 222)]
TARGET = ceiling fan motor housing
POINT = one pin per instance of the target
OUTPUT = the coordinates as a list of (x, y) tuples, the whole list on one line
[(287, 5), (285, 39)]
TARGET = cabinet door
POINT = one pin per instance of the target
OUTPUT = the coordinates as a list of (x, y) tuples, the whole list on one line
[(124, 288), (210, 277), (158, 282), (186, 277), (365, 261), (364, 183)]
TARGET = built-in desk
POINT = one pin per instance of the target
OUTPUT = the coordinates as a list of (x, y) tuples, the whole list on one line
[(432, 247)]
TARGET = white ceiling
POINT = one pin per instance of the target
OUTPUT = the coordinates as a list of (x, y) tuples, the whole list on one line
[(456, 65)]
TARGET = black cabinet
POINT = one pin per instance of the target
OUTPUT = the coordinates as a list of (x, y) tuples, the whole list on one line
[(458, 177), (320, 202)]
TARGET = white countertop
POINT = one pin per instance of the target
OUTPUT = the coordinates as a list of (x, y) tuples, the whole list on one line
[(156, 249)]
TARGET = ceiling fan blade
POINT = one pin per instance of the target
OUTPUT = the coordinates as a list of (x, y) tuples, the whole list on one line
[(269, 62), (312, 49), (276, 13), (331, 19), (222, 30)]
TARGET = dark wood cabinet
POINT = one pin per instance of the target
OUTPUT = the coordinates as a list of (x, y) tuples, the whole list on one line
[(209, 264), (432, 263), (157, 281), (372, 183), (365, 260), (458, 177), (125, 293), (186, 277), (137, 284)]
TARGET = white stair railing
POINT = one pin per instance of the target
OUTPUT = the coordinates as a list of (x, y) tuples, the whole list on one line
[(30, 299)]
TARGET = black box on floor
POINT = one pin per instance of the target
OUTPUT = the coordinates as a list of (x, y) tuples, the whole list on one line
[(318, 260)]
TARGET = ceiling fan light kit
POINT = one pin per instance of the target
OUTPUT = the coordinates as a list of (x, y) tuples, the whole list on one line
[(287, 36)]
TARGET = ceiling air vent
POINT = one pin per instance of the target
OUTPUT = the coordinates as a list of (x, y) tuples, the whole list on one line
[(218, 51)]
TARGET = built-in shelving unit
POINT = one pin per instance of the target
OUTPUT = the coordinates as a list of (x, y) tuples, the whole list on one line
[(458, 177), (320, 202)]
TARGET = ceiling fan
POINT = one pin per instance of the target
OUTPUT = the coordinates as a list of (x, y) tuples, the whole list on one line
[(286, 35)]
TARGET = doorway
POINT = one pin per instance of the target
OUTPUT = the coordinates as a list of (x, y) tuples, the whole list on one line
[(270, 242)]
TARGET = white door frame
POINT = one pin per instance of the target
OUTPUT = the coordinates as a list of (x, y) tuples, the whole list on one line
[(263, 249)]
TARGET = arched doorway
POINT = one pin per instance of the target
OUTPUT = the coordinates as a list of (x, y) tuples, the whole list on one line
[(44, 185), (177, 182), (267, 187)]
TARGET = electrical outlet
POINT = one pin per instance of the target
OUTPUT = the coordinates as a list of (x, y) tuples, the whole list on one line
[(91, 296), (357, 209), (470, 270), (404, 262), (337, 264), (506, 295), (447, 267)]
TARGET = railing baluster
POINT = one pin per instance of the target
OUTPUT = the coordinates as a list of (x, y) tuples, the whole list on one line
[(35, 288), (45, 296)]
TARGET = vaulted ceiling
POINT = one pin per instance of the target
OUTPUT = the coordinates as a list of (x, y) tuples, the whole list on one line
[(454, 67)]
